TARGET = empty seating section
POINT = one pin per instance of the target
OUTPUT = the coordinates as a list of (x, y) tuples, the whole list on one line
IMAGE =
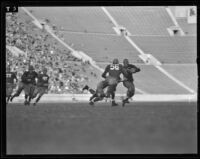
[(82, 19), (103, 48), (155, 82), (152, 81), (142, 20), (189, 29), (169, 49), (185, 73)]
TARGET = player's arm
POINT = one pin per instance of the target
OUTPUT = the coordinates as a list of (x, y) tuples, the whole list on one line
[(15, 78), (134, 69), (106, 71)]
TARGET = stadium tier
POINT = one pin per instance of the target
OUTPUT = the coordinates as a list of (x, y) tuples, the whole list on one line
[(169, 49), (142, 20), (189, 29), (103, 47), (81, 19), (187, 73), (152, 81)]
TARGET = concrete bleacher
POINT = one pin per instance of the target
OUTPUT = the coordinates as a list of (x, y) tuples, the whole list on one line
[(187, 73), (76, 19), (103, 47), (152, 81), (142, 20), (189, 29), (169, 49)]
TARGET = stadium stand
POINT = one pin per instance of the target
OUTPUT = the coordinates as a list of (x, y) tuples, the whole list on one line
[(103, 48), (73, 18), (154, 82), (169, 49), (189, 29), (148, 26), (142, 20), (68, 74)]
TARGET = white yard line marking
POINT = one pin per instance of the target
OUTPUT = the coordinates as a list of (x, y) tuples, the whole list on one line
[(174, 19), (142, 53)]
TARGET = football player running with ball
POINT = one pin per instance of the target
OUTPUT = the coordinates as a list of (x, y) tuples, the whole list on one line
[(128, 70)]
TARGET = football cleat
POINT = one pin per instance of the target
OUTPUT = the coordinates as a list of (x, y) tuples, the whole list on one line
[(91, 103), (124, 102), (25, 102), (11, 99), (34, 104), (114, 104)]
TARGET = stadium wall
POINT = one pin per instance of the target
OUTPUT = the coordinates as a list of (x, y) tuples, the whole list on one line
[(62, 98)]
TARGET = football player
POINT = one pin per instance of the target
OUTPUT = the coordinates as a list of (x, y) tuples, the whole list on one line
[(112, 76), (27, 83), (98, 94), (128, 70), (11, 80), (42, 85)]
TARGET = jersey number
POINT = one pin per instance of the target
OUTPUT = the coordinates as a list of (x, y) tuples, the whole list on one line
[(114, 67)]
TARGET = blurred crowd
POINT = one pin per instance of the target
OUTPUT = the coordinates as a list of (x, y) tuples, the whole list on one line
[(67, 73)]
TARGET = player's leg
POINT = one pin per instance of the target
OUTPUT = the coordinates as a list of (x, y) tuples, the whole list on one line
[(27, 92), (31, 91), (35, 92), (130, 91), (86, 87), (18, 92), (111, 92), (9, 90), (41, 92), (99, 94)]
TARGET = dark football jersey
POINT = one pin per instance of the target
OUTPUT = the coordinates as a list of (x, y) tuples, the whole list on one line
[(114, 70), (10, 76), (127, 73), (29, 77), (43, 80)]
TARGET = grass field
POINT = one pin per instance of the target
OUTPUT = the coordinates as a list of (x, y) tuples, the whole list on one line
[(78, 128)]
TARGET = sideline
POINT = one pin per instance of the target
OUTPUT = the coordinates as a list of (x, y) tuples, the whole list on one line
[(68, 98)]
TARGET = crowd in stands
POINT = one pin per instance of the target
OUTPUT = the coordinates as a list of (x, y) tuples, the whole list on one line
[(67, 73)]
